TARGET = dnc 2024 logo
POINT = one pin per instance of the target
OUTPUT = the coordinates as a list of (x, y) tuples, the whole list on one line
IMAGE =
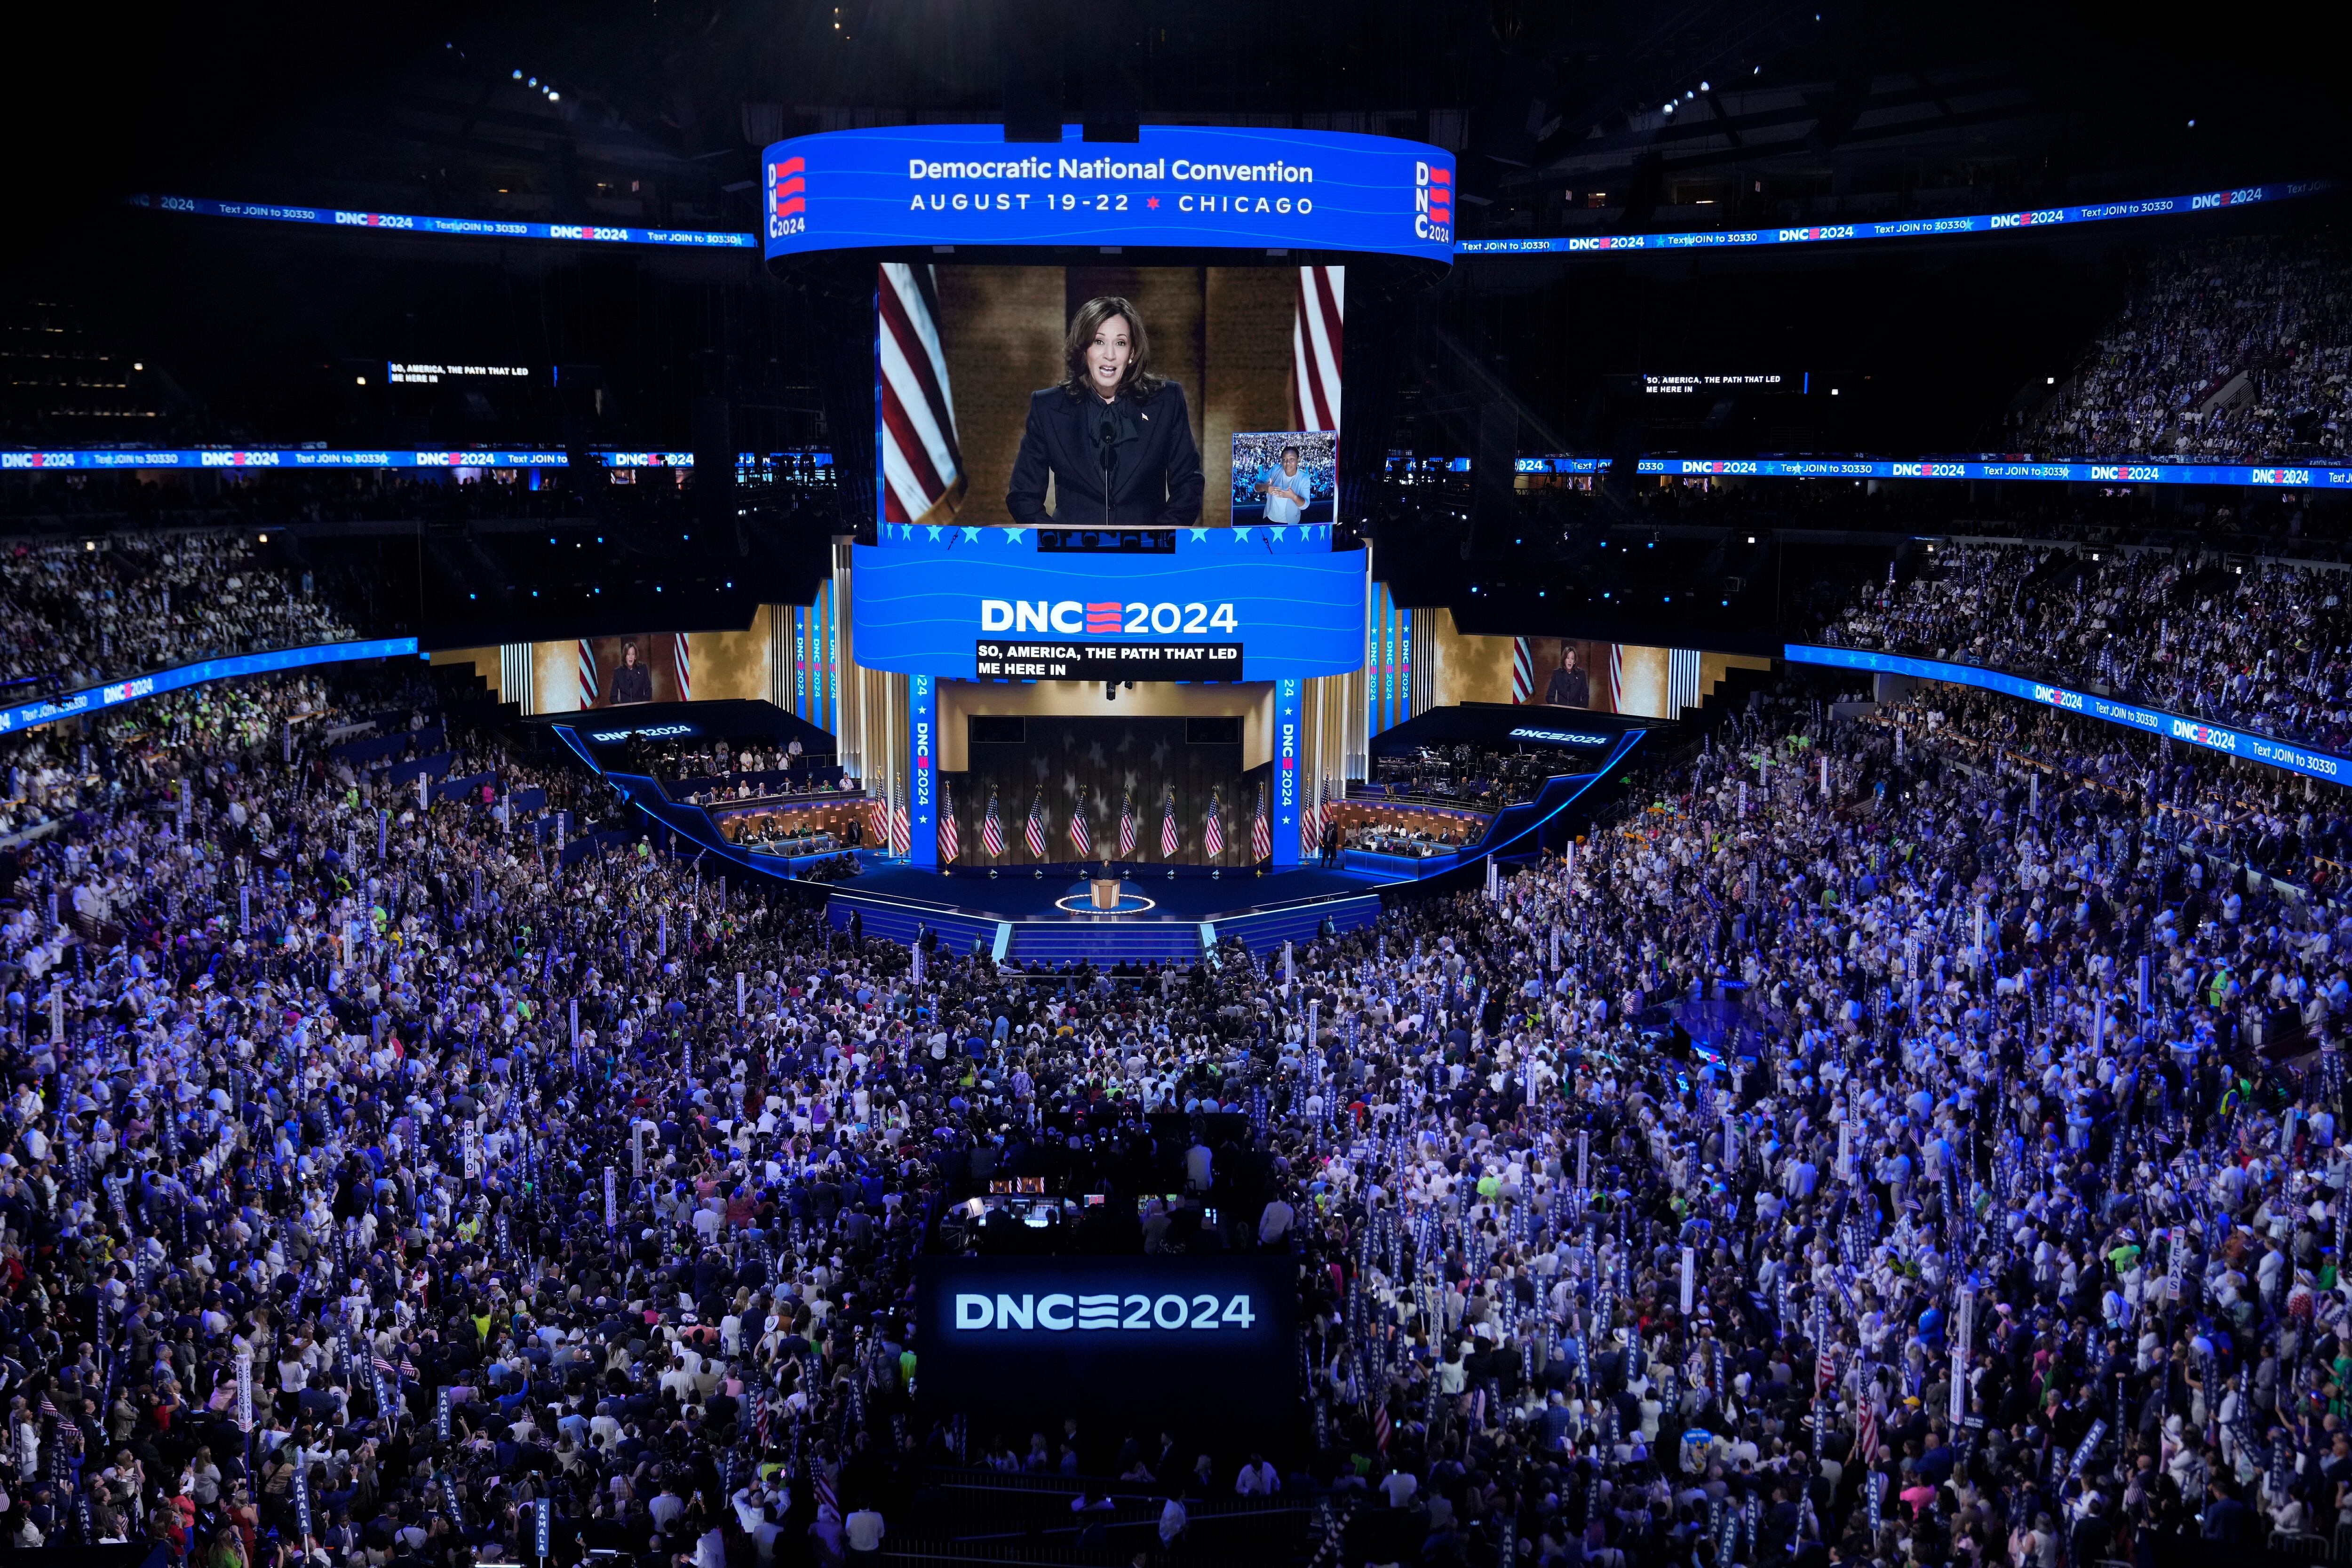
[(1108, 617), (1060, 1313), (1432, 203), (787, 198), (2058, 696)]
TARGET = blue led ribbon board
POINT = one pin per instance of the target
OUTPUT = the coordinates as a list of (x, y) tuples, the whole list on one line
[(94, 698), (467, 227), (1902, 229)]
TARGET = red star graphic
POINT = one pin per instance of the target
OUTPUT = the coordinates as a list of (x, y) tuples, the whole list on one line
[(1151, 201)]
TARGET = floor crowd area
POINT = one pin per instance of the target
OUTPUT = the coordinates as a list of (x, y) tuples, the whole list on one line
[(1910, 1138)]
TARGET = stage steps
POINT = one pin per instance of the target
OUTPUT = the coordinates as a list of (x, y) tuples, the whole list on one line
[(1272, 928), (1105, 942), (894, 921)]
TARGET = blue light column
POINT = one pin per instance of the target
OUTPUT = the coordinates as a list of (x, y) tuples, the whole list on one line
[(1286, 771), (923, 805)]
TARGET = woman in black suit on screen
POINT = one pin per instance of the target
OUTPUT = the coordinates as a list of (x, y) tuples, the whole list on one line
[(1110, 419)]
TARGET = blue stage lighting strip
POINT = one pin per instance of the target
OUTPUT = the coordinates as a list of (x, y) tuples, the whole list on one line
[(2299, 476), (2284, 755), (32, 715), (467, 227), (1900, 228)]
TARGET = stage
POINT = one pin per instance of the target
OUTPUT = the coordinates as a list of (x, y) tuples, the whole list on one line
[(1040, 916), (1025, 919), (1191, 895)]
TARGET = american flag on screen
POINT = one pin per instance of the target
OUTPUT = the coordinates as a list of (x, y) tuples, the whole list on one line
[(1082, 833), (1261, 831), (1169, 838), (950, 842), (1127, 825), (1035, 832), (1523, 670), (1315, 332), (587, 666), (991, 828), (685, 671), (922, 466)]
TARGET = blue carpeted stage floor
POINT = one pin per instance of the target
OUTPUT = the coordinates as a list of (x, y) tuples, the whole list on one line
[(1015, 895)]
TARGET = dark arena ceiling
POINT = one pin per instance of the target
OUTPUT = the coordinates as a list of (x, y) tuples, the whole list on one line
[(1558, 111)]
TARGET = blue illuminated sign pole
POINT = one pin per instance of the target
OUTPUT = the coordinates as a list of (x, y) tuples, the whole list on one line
[(2284, 755), (922, 734), (1286, 692)]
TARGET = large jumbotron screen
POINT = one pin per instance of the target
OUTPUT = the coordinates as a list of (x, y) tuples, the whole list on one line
[(1100, 473), (1111, 555), (1229, 410)]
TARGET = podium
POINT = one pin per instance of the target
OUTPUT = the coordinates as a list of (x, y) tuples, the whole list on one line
[(1105, 890)]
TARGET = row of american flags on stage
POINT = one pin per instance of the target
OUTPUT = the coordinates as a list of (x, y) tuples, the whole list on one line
[(1120, 842)]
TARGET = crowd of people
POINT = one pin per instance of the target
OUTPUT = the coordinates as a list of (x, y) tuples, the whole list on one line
[(1909, 1137), (77, 614), (2262, 645), (2163, 380), (1920, 1146)]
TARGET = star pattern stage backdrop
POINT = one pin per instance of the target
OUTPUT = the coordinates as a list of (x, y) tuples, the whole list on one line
[(1094, 764)]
